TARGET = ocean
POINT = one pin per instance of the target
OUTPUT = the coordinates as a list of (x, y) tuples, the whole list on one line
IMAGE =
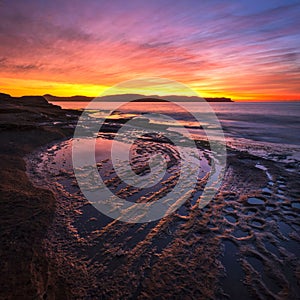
[(267, 129)]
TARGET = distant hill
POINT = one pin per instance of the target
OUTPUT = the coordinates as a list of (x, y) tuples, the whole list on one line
[(134, 97), (72, 98)]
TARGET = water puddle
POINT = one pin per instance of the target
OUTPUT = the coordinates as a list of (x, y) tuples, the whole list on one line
[(296, 205), (255, 201), (257, 223), (231, 219)]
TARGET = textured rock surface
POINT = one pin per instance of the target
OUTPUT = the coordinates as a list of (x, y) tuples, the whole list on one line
[(27, 211)]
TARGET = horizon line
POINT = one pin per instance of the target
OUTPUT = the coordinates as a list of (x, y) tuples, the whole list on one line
[(152, 95)]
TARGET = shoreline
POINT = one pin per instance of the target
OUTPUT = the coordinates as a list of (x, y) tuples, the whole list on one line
[(27, 211), (187, 251), (218, 235)]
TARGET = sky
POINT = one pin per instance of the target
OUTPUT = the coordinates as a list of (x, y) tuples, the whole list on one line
[(246, 50)]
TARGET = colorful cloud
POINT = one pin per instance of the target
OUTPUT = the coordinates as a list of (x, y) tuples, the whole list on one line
[(241, 49)]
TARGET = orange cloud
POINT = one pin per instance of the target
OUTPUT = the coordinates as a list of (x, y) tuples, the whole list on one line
[(218, 52)]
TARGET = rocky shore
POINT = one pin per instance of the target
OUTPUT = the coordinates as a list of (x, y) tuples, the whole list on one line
[(242, 245), (26, 211), (55, 245)]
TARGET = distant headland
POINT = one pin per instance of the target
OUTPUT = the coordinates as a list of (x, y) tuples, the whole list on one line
[(136, 98)]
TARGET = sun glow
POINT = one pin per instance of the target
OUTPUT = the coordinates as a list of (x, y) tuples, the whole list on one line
[(20, 87), (216, 51)]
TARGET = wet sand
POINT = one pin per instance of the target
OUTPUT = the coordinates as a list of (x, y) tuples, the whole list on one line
[(243, 245)]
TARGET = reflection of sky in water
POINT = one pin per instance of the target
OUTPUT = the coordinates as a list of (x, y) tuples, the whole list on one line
[(261, 128), (265, 122)]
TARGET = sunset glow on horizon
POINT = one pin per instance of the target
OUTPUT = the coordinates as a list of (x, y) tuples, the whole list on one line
[(245, 50)]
